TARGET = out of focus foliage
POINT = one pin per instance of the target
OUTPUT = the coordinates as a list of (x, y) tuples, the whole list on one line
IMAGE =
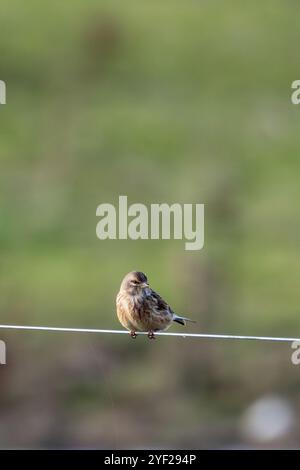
[(163, 102)]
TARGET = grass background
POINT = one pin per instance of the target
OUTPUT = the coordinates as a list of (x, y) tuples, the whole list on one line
[(163, 102)]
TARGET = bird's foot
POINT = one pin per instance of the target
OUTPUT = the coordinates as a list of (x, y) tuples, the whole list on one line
[(151, 334), (133, 334)]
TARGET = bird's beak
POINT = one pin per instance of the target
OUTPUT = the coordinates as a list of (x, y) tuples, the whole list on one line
[(144, 285)]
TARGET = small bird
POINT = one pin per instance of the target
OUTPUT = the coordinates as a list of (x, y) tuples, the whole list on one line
[(139, 308)]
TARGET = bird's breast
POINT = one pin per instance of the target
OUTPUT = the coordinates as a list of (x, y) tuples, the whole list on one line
[(140, 312)]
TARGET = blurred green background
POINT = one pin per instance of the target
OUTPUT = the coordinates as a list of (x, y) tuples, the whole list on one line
[(167, 101)]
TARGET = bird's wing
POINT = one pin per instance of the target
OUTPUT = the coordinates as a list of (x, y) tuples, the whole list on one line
[(158, 303)]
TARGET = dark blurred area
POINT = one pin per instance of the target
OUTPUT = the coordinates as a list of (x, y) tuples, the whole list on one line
[(169, 101)]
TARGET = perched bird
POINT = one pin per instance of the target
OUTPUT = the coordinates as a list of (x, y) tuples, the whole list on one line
[(139, 308)]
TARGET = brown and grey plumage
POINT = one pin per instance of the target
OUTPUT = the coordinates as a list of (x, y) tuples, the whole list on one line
[(139, 308)]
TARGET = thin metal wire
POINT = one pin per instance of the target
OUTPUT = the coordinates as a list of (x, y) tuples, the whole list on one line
[(181, 335)]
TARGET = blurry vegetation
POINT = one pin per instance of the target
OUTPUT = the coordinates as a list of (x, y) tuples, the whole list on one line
[(162, 101)]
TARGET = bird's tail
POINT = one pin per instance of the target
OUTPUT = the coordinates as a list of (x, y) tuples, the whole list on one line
[(182, 320)]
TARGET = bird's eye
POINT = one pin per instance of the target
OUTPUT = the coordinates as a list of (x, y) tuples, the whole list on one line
[(134, 282)]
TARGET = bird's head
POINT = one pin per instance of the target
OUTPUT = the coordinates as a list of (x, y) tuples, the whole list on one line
[(135, 283)]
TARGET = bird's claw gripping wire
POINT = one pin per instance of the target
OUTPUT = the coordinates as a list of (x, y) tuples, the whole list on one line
[(151, 334)]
